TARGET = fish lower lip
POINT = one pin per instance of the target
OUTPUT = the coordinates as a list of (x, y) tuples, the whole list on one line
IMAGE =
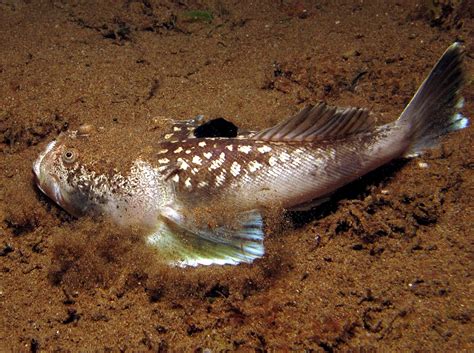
[(36, 178), (55, 193), (50, 189), (36, 169), (37, 181)]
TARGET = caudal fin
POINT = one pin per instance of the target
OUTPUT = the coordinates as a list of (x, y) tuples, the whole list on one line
[(433, 111)]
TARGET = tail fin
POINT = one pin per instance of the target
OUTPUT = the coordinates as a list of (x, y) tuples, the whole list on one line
[(433, 111)]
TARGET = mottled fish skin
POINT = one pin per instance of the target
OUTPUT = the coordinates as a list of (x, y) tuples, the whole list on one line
[(302, 159), (134, 198), (250, 174)]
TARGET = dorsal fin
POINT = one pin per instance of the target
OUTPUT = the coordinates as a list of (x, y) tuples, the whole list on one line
[(317, 123)]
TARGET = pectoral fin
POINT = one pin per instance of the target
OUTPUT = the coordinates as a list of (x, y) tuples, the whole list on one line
[(182, 243)]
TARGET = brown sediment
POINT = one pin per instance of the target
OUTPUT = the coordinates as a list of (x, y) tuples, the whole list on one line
[(386, 265)]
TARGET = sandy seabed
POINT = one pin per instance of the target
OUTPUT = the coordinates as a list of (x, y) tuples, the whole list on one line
[(386, 266)]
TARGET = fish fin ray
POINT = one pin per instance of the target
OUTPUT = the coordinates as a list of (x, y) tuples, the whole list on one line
[(433, 110), (183, 129), (319, 122), (185, 244)]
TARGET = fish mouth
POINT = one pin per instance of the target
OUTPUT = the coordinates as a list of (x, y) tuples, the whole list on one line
[(50, 185), (39, 160), (52, 190)]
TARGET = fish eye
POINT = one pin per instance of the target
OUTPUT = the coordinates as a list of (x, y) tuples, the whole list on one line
[(69, 156)]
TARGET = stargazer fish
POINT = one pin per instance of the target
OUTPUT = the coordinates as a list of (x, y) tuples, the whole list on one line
[(179, 191)]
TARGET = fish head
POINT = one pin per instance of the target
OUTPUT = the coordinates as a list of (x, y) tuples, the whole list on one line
[(59, 172)]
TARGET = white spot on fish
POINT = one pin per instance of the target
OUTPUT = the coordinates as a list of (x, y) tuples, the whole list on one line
[(230, 147), (188, 184), (423, 165), (168, 136), (235, 169), (197, 160), (220, 178), (217, 162), (245, 149), (272, 161), (163, 151), (264, 149), (284, 157), (202, 144), (194, 171), (203, 184), (183, 164), (254, 166), (187, 151), (208, 155), (175, 178), (176, 128), (163, 161), (179, 149)]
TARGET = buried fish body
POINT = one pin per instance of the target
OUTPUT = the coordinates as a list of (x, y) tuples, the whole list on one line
[(179, 195)]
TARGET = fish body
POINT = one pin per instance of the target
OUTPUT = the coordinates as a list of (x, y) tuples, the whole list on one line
[(181, 194), (253, 174)]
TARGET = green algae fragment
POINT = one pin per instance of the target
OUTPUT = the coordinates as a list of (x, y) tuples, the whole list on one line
[(198, 16)]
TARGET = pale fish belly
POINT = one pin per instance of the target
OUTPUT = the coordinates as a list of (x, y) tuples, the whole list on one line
[(140, 197)]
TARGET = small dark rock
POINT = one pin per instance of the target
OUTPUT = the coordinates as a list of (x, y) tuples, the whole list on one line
[(7, 248), (376, 251), (162, 347), (218, 291), (155, 294), (327, 89), (192, 329), (161, 329), (442, 292), (218, 127), (21, 226), (463, 318), (278, 71), (425, 215), (34, 345), (72, 316), (342, 226)]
